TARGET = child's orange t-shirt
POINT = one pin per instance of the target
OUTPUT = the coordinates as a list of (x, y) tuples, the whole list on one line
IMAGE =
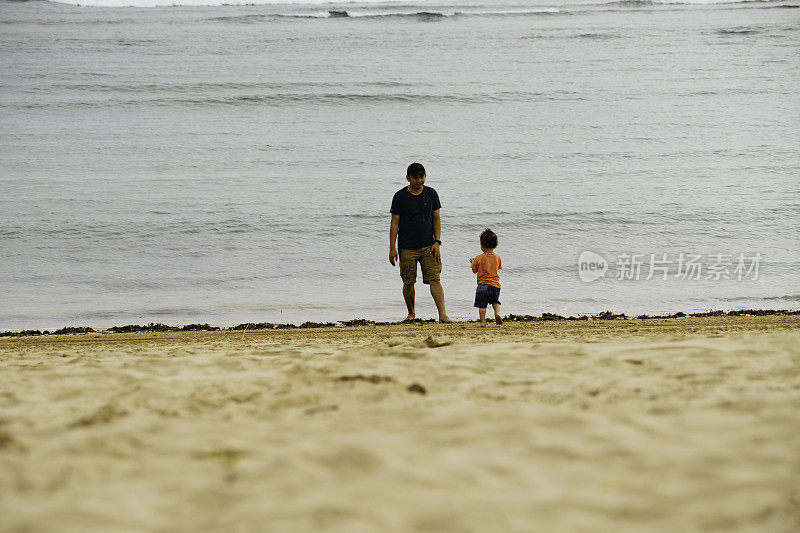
[(486, 265)]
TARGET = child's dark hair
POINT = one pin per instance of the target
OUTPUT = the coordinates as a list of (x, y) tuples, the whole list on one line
[(488, 239)]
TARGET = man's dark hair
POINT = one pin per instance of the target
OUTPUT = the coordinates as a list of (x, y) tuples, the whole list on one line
[(415, 170), (488, 239)]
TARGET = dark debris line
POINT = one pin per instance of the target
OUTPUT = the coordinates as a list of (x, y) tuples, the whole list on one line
[(545, 317)]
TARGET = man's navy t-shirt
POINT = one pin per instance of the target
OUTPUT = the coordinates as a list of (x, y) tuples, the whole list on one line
[(416, 217)]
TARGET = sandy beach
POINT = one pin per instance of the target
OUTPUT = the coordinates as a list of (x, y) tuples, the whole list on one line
[(688, 424)]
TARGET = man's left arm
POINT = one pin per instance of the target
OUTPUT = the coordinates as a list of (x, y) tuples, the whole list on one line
[(437, 235)]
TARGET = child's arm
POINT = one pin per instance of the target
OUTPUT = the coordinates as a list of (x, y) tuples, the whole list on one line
[(499, 263), (475, 263)]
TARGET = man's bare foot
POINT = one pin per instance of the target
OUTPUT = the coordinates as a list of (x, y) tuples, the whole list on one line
[(444, 319), (410, 317), (498, 320), (483, 324)]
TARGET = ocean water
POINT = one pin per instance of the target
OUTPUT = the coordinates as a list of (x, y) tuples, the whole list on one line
[(227, 164)]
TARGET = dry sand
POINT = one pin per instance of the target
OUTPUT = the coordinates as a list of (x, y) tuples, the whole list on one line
[(637, 425)]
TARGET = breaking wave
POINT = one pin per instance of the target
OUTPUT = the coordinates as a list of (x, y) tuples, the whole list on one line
[(403, 7), (290, 99)]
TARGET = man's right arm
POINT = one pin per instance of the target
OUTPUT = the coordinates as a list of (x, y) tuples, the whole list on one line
[(394, 224)]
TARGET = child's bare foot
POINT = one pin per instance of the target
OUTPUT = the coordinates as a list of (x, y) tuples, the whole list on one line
[(410, 317), (498, 320), (483, 324), (444, 319)]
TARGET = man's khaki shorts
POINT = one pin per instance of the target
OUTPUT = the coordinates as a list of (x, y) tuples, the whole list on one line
[(408, 265)]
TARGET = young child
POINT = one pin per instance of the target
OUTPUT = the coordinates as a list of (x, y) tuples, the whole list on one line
[(486, 265)]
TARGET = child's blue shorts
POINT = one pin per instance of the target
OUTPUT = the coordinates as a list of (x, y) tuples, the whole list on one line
[(486, 294)]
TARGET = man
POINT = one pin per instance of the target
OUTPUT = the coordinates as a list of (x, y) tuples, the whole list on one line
[(417, 228)]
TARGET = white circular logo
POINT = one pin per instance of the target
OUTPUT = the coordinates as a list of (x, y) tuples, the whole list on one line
[(591, 266)]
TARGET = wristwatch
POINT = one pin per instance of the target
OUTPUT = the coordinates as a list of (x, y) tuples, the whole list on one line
[(437, 242)]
